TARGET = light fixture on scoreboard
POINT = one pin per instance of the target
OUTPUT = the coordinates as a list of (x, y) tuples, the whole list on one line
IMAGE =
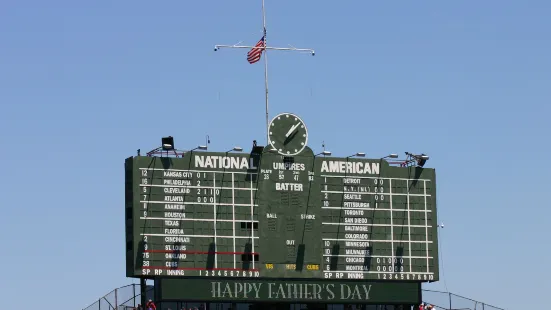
[(200, 147), (393, 163), (391, 156), (324, 153), (257, 149), (412, 158), (235, 149), (167, 148), (167, 143), (359, 154), (421, 160)]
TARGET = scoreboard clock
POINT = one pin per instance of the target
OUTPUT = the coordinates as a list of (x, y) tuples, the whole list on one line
[(288, 134)]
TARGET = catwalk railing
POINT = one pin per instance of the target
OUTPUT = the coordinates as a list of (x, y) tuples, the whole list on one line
[(128, 297), (122, 298), (450, 301)]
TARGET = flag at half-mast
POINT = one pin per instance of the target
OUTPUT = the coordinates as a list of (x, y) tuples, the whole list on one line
[(254, 54)]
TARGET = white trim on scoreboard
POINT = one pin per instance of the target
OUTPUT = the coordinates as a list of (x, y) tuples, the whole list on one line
[(200, 203), (376, 225), (381, 272), (200, 186), (371, 240), (375, 209), (374, 178), (375, 193), (189, 170), (199, 236), (198, 220), (375, 256)]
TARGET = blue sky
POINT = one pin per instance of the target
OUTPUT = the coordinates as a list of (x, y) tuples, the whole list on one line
[(83, 84)]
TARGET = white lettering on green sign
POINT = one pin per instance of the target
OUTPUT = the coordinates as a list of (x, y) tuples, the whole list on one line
[(225, 162), (356, 167), (289, 291)]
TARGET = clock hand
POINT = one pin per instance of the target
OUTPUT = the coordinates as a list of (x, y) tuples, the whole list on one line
[(292, 129), (290, 138)]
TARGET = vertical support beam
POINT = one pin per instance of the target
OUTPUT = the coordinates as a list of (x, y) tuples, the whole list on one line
[(266, 73), (134, 294), (143, 292)]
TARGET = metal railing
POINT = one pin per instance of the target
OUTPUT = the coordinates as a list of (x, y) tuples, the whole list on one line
[(122, 298), (450, 301), (128, 297)]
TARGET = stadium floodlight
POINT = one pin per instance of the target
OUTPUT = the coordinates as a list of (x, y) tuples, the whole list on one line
[(236, 149), (359, 154), (167, 143), (324, 153)]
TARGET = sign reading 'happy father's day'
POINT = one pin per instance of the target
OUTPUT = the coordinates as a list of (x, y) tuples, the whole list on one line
[(287, 291)]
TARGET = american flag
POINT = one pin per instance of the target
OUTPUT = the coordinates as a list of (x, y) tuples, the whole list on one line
[(254, 54)]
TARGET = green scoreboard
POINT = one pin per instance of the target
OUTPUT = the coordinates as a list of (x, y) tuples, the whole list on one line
[(280, 212)]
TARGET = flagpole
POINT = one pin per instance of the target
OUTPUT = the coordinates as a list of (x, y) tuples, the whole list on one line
[(266, 74), (265, 50)]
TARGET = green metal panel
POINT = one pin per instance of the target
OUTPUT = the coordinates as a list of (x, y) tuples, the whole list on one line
[(266, 216)]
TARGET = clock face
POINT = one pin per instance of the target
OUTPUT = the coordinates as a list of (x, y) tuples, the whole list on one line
[(288, 134)]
